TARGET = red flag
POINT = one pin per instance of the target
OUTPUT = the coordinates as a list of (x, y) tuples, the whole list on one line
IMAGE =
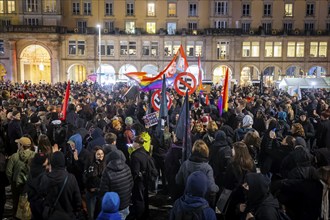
[(207, 101), (65, 102), (225, 92)]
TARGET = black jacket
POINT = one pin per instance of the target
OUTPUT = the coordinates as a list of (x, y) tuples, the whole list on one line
[(117, 177), (70, 199)]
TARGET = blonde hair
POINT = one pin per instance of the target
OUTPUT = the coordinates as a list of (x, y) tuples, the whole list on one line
[(298, 129), (201, 147), (212, 126)]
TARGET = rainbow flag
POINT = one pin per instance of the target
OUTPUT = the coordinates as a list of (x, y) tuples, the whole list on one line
[(177, 65), (65, 102), (225, 92)]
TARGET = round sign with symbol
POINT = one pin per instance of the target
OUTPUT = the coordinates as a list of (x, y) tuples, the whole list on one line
[(183, 82), (156, 100)]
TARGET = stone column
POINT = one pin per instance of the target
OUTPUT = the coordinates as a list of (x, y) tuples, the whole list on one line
[(56, 76), (12, 70)]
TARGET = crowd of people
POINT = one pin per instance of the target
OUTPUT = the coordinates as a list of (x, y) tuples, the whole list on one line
[(270, 150)]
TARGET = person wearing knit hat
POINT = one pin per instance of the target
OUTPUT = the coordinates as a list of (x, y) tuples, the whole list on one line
[(247, 123), (193, 200), (70, 200), (129, 121), (110, 207), (15, 132)]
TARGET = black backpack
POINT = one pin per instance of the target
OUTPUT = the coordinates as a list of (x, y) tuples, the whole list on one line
[(196, 214)]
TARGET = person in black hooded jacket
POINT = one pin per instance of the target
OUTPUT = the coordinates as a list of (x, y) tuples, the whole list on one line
[(70, 200), (260, 203)]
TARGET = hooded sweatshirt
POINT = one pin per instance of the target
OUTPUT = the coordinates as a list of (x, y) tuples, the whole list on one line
[(110, 207)]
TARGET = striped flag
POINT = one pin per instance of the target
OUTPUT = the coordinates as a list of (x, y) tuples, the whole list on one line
[(200, 80), (65, 102), (225, 92)]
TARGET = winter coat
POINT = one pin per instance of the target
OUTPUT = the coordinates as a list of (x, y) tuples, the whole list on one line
[(14, 165), (323, 134), (259, 201), (195, 163), (70, 199), (35, 197), (14, 132), (117, 177), (93, 174), (98, 139)]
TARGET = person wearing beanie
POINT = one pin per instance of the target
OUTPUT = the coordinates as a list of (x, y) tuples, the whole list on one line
[(247, 123), (117, 177), (110, 207), (193, 202), (38, 168), (129, 132), (70, 200)]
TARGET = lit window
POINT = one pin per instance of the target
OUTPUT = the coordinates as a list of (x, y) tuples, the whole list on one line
[(318, 49), (123, 47), (151, 9), (273, 49), (198, 48), (222, 50), (81, 47), (132, 48), (171, 9), (2, 47), (130, 27), (255, 49), (146, 48), (2, 7), (168, 48), (246, 50), (277, 49), (49, 6), (190, 49), (296, 49), (151, 27), (171, 28), (72, 47), (268, 49), (154, 48), (288, 10)]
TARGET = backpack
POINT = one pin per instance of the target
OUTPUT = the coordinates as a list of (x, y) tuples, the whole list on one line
[(152, 171), (21, 172), (196, 214)]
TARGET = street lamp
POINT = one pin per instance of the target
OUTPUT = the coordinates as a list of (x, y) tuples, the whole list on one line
[(100, 61)]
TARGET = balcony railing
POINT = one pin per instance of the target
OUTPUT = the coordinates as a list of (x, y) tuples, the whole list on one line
[(33, 29)]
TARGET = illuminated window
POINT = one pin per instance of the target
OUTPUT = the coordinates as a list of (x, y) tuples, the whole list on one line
[(250, 49), (168, 48), (49, 6), (255, 49), (31, 5), (130, 27), (268, 49), (198, 48), (171, 9), (318, 49), (150, 48), (81, 47), (123, 48), (277, 49), (151, 9), (221, 8), (296, 49), (132, 48), (151, 27), (2, 47), (288, 10), (273, 49), (222, 50), (2, 7), (171, 28), (246, 49)]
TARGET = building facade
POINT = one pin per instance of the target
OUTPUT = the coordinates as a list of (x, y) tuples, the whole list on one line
[(57, 40)]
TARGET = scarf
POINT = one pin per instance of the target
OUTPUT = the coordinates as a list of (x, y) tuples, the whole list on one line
[(325, 201)]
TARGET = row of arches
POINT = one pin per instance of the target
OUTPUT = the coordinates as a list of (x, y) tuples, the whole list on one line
[(35, 66)]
